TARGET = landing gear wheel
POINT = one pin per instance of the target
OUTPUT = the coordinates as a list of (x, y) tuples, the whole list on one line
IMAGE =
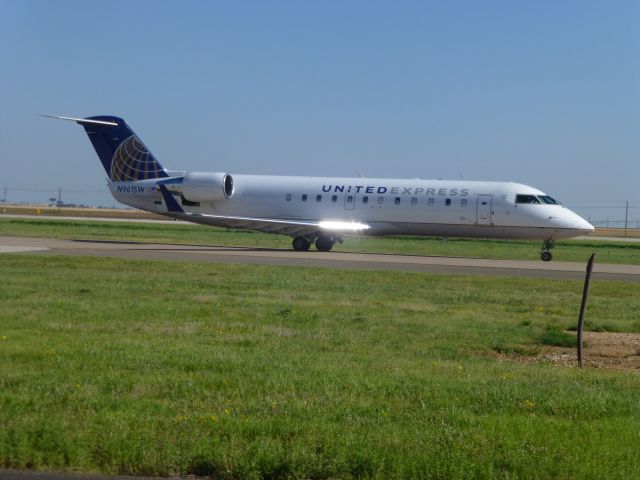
[(301, 244), (324, 244), (545, 254)]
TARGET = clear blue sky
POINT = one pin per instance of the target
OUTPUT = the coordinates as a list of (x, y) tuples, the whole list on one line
[(542, 92)]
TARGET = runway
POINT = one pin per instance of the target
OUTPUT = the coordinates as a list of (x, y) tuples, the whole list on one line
[(366, 261)]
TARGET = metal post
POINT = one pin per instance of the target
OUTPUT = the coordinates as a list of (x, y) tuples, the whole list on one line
[(59, 198), (583, 307), (626, 218)]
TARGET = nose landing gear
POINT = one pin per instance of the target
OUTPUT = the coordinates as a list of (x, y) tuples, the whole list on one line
[(545, 254)]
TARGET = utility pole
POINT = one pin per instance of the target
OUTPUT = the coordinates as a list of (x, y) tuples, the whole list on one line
[(626, 217)]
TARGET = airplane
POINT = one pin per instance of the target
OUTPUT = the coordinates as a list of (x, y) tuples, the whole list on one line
[(323, 210)]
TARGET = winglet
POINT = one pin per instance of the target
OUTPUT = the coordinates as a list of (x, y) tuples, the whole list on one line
[(172, 205)]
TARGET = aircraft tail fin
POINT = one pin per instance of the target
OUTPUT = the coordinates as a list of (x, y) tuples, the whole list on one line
[(122, 153)]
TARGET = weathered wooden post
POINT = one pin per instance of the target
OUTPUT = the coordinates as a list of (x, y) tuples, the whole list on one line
[(583, 307)]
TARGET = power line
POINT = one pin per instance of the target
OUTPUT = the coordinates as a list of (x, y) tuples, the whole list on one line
[(616, 208)]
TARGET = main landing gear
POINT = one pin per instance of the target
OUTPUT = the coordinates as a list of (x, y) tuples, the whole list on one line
[(545, 254), (301, 244), (323, 243)]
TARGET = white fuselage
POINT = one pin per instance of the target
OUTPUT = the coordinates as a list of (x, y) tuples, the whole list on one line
[(386, 206)]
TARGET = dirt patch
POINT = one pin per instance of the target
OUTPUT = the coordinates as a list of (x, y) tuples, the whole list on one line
[(602, 350), (36, 210)]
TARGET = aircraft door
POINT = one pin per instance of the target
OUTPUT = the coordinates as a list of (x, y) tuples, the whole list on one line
[(349, 201), (483, 210)]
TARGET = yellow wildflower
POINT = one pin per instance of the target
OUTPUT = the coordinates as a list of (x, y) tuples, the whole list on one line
[(528, 404)]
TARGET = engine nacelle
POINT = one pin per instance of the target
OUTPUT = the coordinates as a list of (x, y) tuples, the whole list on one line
[(205, 186)]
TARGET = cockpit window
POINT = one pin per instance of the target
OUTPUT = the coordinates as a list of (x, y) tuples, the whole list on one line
[(527, 199), (548, 200)]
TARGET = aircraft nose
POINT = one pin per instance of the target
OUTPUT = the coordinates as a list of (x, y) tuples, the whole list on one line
[(588, 228), (570, 224), (576, 222)]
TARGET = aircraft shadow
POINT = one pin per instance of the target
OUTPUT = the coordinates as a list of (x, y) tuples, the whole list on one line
[(228, 248), (177, 247)]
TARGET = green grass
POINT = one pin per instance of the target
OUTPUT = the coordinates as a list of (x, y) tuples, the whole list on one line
[(577, 250), (590, 326), (557, 338), (237, 371)]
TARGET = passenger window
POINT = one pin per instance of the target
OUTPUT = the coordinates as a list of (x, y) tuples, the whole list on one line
[(397, 201), (304, 197), (414, 201), (365, 200), (288, 197), (463, 202), (334, 198), (349, 198), (380, 200), (527, 199), (431, 202), (318, 198), (447, 202)]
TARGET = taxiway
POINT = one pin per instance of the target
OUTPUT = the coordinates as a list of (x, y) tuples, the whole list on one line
[(368, 261)]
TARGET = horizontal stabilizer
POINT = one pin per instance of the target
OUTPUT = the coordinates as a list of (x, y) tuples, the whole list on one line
[(83, 121)]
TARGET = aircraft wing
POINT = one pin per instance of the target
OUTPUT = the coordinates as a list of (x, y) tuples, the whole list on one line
[(297, 228)]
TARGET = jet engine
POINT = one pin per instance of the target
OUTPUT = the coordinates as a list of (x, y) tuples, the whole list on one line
[(204, 186)]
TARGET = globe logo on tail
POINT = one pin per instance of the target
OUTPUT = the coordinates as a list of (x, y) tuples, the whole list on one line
[(133, 161)]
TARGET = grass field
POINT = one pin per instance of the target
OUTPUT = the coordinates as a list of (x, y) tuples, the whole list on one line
[(236, 371), (607, 252)]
